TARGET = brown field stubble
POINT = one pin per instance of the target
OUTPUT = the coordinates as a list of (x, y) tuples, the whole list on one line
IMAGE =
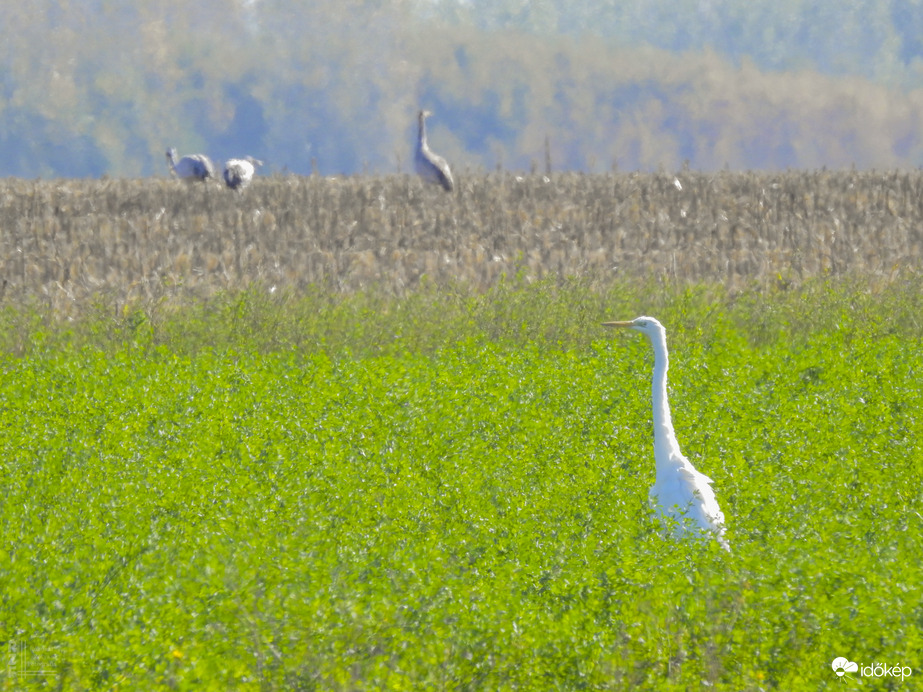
[(68, 243)]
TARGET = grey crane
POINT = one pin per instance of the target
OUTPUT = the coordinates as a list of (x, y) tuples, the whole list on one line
[(239, 172), (190, 168), (429, 166)]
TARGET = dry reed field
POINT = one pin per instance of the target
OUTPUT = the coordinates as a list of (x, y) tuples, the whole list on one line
[(68, 243)]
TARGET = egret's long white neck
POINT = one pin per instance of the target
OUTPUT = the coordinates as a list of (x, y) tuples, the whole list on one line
[(664, 438)]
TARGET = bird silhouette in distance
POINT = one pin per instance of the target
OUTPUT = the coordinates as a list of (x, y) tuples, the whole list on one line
[(681, 495), (430, 166), (238, 173), (190, 168)]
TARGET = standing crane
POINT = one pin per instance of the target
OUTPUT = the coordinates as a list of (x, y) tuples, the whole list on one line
[(239, 172), (429, 166), (190, 168), (681, 495)]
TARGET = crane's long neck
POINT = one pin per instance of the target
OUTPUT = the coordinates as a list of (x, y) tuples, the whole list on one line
[(664, 438), (421, 135)]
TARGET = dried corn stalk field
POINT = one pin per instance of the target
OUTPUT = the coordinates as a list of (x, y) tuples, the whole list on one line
[(71, 242)]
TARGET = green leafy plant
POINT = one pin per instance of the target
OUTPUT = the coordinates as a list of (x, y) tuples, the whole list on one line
[(449, 489)]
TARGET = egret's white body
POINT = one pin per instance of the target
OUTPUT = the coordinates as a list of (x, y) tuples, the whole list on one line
[(429, 166), (681, 495), (238, 173), (191, 168)]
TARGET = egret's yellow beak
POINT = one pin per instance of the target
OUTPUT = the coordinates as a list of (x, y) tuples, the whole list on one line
[(618, 324)]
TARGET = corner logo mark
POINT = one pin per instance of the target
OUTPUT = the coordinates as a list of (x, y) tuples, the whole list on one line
[(841, 666)]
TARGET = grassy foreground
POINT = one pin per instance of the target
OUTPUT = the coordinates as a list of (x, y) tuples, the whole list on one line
[(448, 491)]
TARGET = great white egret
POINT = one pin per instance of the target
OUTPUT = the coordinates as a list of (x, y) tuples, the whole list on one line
[(239, 172), (191, 168), (431, 167), (681, 495)]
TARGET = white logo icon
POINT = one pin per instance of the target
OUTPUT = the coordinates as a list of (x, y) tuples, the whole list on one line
[(841, 666)]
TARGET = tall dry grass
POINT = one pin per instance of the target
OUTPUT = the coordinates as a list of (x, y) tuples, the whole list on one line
[(70, 243)]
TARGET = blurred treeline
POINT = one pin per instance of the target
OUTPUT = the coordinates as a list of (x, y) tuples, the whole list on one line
[(93, 87)]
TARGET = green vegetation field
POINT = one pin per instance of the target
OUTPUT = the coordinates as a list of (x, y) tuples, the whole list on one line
[(448, 490)]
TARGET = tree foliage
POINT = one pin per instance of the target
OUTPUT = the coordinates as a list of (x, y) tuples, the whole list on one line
[(95, 88)]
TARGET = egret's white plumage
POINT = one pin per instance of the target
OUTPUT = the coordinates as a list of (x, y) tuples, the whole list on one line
[(239, 172), (190, 168), (431, 167), (681, 495)]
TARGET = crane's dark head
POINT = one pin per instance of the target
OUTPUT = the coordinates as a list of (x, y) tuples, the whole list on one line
[(646, 325)]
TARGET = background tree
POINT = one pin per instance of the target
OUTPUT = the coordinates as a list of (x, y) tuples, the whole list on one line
[(95, 88)]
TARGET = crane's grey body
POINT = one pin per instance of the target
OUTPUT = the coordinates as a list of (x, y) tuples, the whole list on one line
[(238, 173), (429, 166), (191, 168)]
